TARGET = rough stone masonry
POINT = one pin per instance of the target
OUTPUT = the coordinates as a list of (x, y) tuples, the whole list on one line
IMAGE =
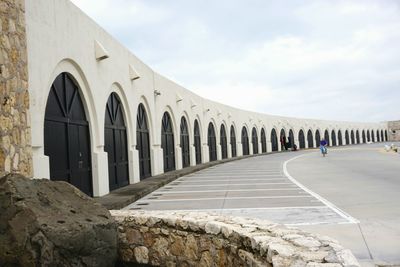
[(15, 147)]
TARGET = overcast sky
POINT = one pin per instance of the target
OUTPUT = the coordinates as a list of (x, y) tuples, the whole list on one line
[(335, 60)]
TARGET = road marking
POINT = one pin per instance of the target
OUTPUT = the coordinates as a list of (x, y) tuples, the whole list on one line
[(228, 190), (228, 180), (323, 200), (217, 198), (177, 186)]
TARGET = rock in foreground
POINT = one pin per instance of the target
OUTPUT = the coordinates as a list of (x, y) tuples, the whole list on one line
[(47, 223)]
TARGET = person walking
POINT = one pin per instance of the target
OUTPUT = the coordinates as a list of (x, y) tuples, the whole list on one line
[(323, 147)]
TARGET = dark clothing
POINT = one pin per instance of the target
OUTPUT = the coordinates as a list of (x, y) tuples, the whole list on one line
[(323, 143)]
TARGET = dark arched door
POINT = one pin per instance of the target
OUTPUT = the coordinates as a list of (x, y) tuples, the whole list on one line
[(326, 137), (197, 142), (377, 136), (263, 141), (212, 143), (386, 135), (302, 140), (352, 137), (233, 141), (291, 139), (382, 137), (143, 142), (224, 144), (115, 143), (185, 145), (372, 136), (317, 138), (274, 140), (254, 140), (333, 137), (347, 137), (364, 140), (358, 137), (340, 138), (245, 141), (310, 139), (67, 136), (282, 139), (167, 143)]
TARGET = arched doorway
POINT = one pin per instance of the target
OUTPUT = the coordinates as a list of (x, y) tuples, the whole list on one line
[(67, 135), (197, 142), (168, 143), (326, 137), (254, 140), (368, 136), (263, 141), (224, 145), (386, 135), (291, 139), (358, 137), (382, 137), (274, 140), (143, 142), (340, 138), (333, 136), (372, 136), (212, 143), (363, 137), (245, 141), (310, 139), (115, 143), (185, 144), (282, 139), (233, 141), (347, 137), (352, 137), (317, 138), (302, 140), (377, 136)]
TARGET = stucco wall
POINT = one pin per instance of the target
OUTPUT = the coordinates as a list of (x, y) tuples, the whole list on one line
[(202, 239), (15, 149), (394, 131), (62, 39)]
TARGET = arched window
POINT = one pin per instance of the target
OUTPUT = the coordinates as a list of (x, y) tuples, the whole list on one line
[(185, 144), (212, 143), (333, 136), (254, 140), (67, 135), (143, 142), (263, 141), (291, 139), (274, 140), (310, 139), (326, 137), (358, 137), (197, 142), (317, 138), (282, 139), (115, 143), (302, 140), (340, 138), (224, 145), (352, 137), (245, 141), (167, 143), (233, 141)]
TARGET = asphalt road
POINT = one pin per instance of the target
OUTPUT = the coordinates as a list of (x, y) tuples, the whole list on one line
[(351, 195)]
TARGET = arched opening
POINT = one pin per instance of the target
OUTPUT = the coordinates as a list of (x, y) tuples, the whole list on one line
[(382, 137), (282, 139), (302, 141), (364, 140), (310, 139), (245, 141), (333, 136), (167, 143), (274, 140), (347, 137), (368, 136), (340, 138), (317, 138), (224, 145), (326, 137), (290, 139), (352, 137), (263, 141), (377, 136), (233, 141), (358, 137), (185, 144), (212, 142), (372, 136), (67, 136), (143, 142), (115, 143), (254, 140), (197, 142), (386, 135)]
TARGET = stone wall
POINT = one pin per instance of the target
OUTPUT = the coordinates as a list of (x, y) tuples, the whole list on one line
[(167, 238), (15, 149), (394, 131)]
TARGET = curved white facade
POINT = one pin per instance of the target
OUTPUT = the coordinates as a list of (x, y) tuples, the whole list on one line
[(60, 38)]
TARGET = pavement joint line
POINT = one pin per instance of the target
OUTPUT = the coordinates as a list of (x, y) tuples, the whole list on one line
[(232, 190), (216, 198), (265, 208), (323, 200), (177, 186)]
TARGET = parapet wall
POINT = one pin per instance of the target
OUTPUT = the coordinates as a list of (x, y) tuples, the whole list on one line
[(159, 238)]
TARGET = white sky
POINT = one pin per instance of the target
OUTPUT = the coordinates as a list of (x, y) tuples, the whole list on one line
[(328, 59)]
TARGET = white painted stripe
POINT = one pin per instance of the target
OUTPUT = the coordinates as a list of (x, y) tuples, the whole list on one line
[(178, 186), (227, 180), (323, 200), (222, 210), (217, 198), (228, 190)]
